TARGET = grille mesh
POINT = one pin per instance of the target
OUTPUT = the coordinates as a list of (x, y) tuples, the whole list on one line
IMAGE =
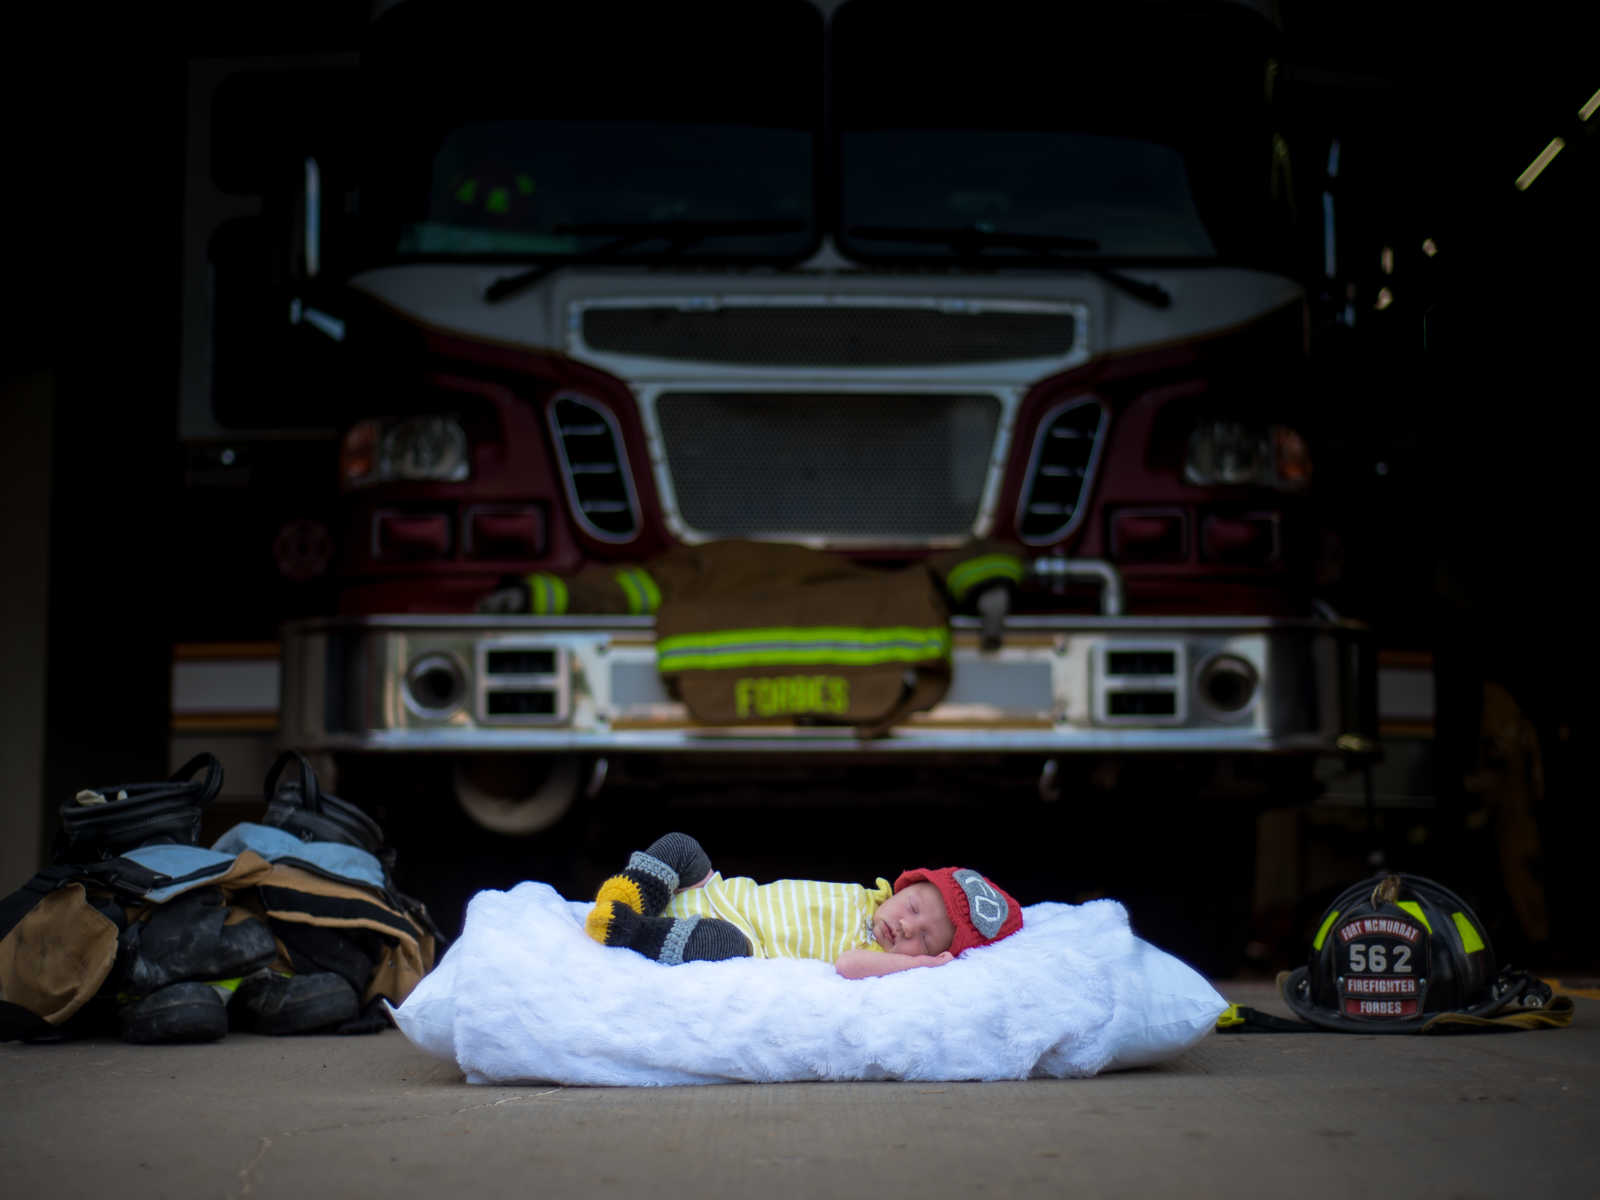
[(884, 467), (828, 336)]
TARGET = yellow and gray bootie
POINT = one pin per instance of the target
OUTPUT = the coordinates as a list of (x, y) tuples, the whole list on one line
[(669, 940), (645, 885)]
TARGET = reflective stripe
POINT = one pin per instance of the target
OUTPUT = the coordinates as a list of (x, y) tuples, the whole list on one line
[(1316, 942), (1471, 939), (643, 595), (797, 646), (652, 594), (631, 591), (981, 570), (547, 594), (1415, 909)]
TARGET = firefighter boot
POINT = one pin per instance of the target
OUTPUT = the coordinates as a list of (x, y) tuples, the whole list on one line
[(102, 823), (277, 1004), (180, 1012), (189, 938)]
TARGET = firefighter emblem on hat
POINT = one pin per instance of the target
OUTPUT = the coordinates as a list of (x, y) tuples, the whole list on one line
[(986, 905)]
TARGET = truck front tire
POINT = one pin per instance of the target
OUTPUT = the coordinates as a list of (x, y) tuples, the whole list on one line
[(516, 795)]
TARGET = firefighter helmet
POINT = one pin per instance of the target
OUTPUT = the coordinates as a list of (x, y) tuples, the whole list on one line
[(1394, 952)]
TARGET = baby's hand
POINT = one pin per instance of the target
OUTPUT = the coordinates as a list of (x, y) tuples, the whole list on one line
[(862, 964)]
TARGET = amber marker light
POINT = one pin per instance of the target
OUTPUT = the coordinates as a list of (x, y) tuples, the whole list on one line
[(1292, 456), (358, 452)]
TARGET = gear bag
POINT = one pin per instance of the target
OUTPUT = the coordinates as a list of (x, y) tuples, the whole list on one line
[(1403, 954)]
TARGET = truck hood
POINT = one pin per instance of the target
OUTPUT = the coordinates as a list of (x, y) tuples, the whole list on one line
[(548, 316)]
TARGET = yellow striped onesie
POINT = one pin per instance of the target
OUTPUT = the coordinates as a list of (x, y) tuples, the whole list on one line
[(790, 918)]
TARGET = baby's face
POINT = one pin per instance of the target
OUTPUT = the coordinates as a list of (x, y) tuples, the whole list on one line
[(914, 921)]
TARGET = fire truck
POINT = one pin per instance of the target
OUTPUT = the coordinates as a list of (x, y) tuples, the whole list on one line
[(495, 294)]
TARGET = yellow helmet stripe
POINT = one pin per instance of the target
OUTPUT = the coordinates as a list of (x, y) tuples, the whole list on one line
[(1471, 939), (1415, 909), (1316, 942)]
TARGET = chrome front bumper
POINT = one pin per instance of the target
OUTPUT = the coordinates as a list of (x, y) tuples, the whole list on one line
[(1058, 685)]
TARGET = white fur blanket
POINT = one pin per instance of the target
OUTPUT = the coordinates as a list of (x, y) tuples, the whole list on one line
[(526, 996)]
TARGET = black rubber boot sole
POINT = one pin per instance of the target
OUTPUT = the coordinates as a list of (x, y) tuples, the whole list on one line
[(179, 1012), (274, 1004)]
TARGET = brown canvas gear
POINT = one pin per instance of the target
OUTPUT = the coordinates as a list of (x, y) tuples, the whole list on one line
[(773, 610), (761, 633), (63, 947), (297, 896), (59, 955), (54, 960)]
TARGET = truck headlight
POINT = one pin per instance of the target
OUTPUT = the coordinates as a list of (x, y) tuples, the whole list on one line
[(1235, 452), (407, 448)]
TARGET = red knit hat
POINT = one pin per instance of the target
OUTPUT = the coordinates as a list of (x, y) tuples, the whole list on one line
[(981, 912)]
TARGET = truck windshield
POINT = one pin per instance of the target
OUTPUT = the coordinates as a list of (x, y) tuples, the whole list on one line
[(549, 188), (1144, 128), (1129, 198), (1138, 131), (531, 132)]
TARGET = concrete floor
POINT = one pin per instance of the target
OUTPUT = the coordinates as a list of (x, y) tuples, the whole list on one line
[(1240, 1115)]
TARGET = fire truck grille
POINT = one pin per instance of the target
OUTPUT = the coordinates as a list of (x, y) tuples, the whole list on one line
[(828, 335), (828, 468)]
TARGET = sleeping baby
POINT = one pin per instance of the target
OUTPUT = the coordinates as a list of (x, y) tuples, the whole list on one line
[(669, 905)]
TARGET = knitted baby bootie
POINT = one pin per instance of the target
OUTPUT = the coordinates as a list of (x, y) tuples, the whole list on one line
[(669, 940), (645, 885), (684, 855)]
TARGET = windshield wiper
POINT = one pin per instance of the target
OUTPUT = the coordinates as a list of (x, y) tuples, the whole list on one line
[(975, 239), (680, 235)]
